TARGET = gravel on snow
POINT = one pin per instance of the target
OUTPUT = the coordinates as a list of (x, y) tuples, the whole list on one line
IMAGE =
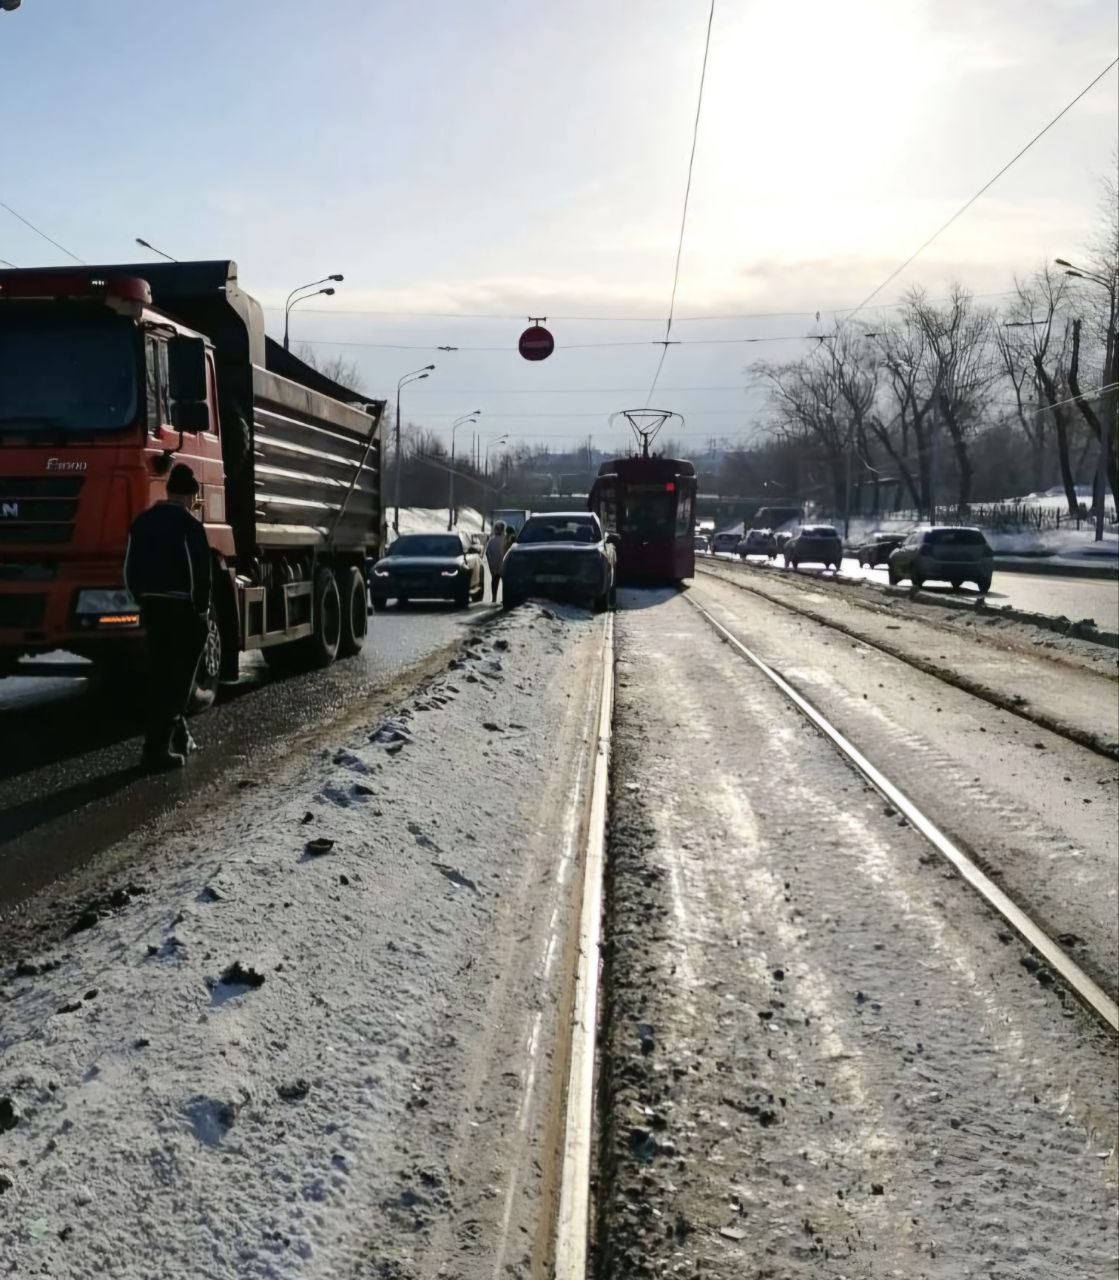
[(294, 1047), (822, 1056)]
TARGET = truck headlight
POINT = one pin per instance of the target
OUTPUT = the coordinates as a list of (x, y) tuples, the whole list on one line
[(100, 600)]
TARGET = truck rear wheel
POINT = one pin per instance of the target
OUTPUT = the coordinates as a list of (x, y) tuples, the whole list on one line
[(326, 615), (354, 612)]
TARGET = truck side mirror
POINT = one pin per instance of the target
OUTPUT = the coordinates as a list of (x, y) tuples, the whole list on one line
[(190, 415), (186, 363)]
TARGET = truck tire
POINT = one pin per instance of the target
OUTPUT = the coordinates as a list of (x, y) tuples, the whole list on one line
[(326, 619), (207, 677), (354, 612)]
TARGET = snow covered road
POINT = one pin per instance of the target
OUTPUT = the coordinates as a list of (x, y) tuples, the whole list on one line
[(317, 1029), (1069, 597)]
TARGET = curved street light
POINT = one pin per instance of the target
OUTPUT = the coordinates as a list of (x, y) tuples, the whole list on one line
[(295, 303), (145, 245), (416, 375), (472, 416), (489, 446), (291, 299)]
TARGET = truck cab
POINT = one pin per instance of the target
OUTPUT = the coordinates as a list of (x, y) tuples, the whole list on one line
[(99, 391)]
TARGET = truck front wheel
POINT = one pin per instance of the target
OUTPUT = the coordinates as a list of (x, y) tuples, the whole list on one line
[(207, 677), (354, 612)]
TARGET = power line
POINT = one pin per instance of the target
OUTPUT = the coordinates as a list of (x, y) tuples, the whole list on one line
[(40, 233), (571, 346), (609, 319), (684, 212), (986, 186)]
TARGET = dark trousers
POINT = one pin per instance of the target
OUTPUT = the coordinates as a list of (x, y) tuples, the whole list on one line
[(495, 582), (175, 635)]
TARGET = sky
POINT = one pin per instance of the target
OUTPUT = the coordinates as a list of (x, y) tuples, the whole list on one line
[(467, 164)]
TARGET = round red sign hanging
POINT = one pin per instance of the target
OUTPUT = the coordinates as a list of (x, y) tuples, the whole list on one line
[(536, 343)]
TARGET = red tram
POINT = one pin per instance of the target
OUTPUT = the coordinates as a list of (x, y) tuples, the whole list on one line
[(649, 502)]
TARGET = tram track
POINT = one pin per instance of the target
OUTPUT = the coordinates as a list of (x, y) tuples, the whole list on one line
[(955, 679), (1085, 988)]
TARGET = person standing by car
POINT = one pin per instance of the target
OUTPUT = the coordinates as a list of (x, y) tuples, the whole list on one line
[(495, 555), (167, 570)]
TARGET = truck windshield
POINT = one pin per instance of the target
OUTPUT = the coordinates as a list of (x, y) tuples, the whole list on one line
[(70, 376)]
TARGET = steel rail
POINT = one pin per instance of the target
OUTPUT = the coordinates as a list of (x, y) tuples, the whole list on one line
[(955, 680), (1086, 990), (573, 1219)]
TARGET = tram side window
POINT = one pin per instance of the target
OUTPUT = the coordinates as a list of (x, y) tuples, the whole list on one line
[(684, 514), (608, 512)]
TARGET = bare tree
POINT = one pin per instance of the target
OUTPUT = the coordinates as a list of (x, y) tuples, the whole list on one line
[(336, 368)]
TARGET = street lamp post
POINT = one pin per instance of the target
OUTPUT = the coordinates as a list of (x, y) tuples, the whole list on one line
[(1110, 405), (144, 244), (472, 416), (415, 376), (291, 299), (329, 291), (489, 446)]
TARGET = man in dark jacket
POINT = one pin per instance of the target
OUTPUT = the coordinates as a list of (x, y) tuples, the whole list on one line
[(167, 570)]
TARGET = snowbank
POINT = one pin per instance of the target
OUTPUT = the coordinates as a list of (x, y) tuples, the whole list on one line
[(234, 1065)]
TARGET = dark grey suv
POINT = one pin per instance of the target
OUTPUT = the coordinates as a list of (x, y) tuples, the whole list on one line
[(946, 553)]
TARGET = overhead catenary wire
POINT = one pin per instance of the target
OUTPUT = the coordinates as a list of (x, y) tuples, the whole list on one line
[(38, 232), (572, 346), (985, 187), (711, 318), (684, 211)]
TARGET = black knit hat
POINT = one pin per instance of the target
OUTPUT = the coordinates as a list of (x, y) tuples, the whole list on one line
[(181, 480)]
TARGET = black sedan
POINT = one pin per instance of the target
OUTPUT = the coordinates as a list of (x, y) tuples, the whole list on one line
[(561, 555), (877, 548), (428, 566)]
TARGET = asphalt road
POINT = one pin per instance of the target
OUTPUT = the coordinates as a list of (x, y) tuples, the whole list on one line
[(69, 780), (1052, 594)]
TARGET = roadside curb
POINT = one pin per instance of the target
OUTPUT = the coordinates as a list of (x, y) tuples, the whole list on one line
[(1041, 565)]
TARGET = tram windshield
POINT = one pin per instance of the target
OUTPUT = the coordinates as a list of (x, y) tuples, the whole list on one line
[(648, 511)]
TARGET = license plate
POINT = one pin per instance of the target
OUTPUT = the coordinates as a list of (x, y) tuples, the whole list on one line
[(551, 579)]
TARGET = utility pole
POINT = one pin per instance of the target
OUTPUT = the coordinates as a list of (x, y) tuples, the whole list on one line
[(415, 376)]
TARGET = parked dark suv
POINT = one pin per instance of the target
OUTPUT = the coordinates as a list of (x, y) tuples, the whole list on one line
[(947, 553)]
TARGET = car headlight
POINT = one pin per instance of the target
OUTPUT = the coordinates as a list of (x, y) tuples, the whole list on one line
[(380, 573), (449, 573), (104, 600)]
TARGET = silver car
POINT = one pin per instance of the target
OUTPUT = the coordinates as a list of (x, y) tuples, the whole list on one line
[(946, 553)]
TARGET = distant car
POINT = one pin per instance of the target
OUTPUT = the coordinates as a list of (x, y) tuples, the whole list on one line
[(758, 542), (725, 542), (562, 555), (428, 566), (945, 553), (814, 544), (700, 543), (877, 548)]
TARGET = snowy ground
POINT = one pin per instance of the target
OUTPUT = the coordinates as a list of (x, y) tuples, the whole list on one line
[(823, 1057), (312, 1035)]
